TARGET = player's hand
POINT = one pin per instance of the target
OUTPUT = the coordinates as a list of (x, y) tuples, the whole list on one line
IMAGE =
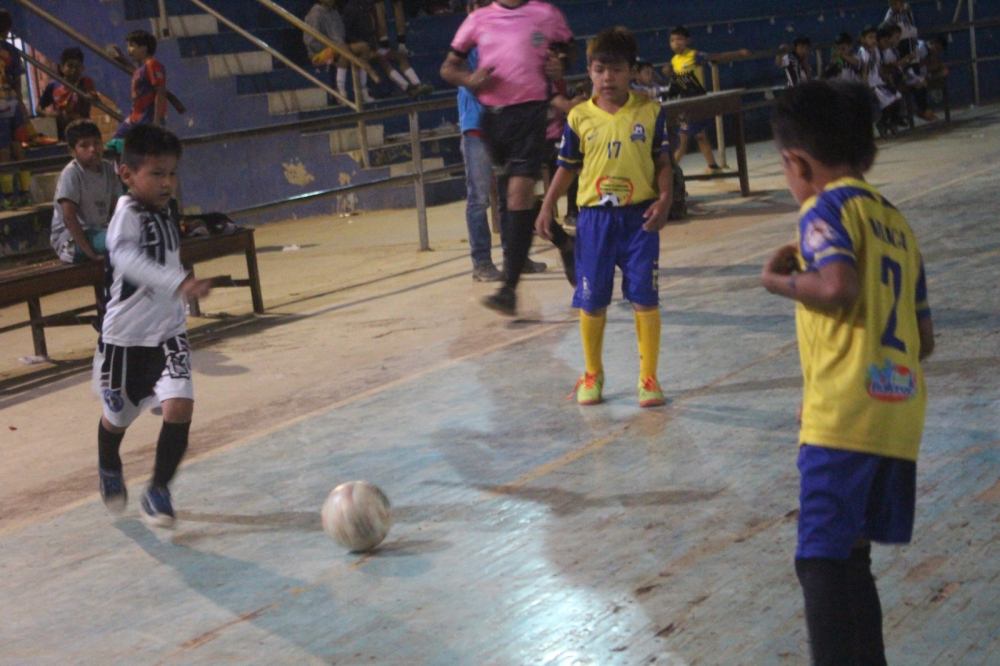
[(782, 263), (745, 53), (658, 213), (554, 66), (479, 78), (543, 223), (192, 288)]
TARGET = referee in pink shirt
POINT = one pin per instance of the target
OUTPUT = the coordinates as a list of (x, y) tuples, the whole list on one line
[(513, 38)]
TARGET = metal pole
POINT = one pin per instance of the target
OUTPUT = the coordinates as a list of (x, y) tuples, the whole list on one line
[(958, 11), (719, 125), (52, 73), (261, 44), (59, 25), (359, 103), (418, 183), (164, 21), (305, 27), (973, 51)]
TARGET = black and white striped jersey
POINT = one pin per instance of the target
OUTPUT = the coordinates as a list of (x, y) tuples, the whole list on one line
[(142, 274)]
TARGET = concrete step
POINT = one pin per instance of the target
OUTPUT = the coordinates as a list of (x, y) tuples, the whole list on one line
[(407, 167), (191, 25), (293, 101), (236, 64), (347, 140)]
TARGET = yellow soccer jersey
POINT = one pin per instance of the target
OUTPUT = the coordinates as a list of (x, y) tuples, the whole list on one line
[(615, 154), (690, 63), (864, 388)]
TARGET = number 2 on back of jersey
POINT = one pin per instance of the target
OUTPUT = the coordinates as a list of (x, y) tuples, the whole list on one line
[(892, 276)]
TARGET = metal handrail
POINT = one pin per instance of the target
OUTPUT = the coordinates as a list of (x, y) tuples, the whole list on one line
[(58, 77), (305, 27), (261, 44)]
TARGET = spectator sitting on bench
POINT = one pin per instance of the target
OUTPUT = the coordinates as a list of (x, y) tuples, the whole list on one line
[(86, 194), (844, 66), (62, 103), (794, 61), (926, 66)]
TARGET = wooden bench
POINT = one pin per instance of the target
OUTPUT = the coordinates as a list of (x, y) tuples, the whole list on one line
[(28, 284)]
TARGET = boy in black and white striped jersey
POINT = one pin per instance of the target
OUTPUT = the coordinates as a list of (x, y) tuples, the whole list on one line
[(142, 355)]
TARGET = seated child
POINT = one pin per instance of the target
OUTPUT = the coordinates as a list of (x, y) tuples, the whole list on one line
[(618, 144), (644, 82), (844, 66), (86, 194), (62, 103), (871, 73), (687, 79), (794, 61), (864, 328)]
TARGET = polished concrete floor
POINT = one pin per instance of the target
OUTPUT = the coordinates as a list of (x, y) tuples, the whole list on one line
[(533, 531)]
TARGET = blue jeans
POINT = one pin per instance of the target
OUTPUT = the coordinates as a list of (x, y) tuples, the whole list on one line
[(478, 176)]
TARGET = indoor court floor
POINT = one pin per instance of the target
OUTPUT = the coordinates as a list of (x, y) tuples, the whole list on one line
[(528, 530)]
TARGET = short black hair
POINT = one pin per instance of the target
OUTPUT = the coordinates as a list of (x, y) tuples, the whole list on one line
[(940, 40), (80, 129), (643, 64), (682, 31), (6, 23), (845, 38), (144, 141), (616, 44), (142, 38), (72, 53), (885, 32), (801, 40), (829, 120), (867, 29)]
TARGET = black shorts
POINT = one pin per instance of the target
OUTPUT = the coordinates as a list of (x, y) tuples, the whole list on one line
[(515, 137)]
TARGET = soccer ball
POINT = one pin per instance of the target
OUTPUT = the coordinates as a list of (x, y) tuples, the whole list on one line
[(357, 516)]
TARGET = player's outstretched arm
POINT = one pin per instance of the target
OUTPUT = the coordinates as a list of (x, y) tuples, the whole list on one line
[(659, 211), (834, 286), (925, 326), (729, 56), (453, 71), (557, 188)]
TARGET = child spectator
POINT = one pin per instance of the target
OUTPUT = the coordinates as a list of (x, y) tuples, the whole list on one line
[(62, 103), (324, 18), (900, 14), (644, 81), (13, 120), (361, 29), (149, 84), (618, 143), (924, 59), (794, 61), (687, 79), (844, 65), (864, 327), (143, 355), (871, 73), (86, 194), (559, 107)]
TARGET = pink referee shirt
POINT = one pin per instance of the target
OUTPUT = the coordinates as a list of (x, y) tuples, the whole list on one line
[(514, 43)]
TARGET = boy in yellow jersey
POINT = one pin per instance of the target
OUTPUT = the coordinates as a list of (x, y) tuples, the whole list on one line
[(863, 326), (687, 79), (617, 142)]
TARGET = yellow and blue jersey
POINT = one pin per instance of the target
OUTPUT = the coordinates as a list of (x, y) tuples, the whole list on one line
[(688, 79), (615, 154), (864, 387)]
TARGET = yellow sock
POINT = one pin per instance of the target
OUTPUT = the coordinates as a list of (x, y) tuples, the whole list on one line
[(592, 333), (7, 184), (647, 331), (24, 181)]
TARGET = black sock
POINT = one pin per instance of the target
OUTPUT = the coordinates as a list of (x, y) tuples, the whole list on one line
[(866, 608), (108, 444), (170, 449), (559, 236), (521, 228), (829, 615)]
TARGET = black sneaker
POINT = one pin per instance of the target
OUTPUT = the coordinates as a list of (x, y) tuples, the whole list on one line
[(569, 220), (568, 253), (533, 267), (156, 507), (113, 490), (503, 301), (485, 271)]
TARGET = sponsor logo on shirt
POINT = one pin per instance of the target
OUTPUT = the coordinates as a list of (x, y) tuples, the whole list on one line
[(818, 235), (537, 39), (891, 382), (114, 401), (638, 133)]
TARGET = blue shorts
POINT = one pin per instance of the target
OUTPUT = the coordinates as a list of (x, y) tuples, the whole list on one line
[(695, 128), (846, 495), (609, 237), (9, 127)]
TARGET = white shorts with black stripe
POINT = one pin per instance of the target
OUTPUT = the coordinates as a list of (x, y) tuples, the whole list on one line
[(130, 379)]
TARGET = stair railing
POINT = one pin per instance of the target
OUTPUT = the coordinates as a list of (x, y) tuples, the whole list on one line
[(58, 77)]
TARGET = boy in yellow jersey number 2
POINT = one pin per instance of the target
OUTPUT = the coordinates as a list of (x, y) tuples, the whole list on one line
[(618, 144), (863, 327)]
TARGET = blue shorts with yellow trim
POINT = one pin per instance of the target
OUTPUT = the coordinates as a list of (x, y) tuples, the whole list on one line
[(846, 495), (609, 237), (695, 128)]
